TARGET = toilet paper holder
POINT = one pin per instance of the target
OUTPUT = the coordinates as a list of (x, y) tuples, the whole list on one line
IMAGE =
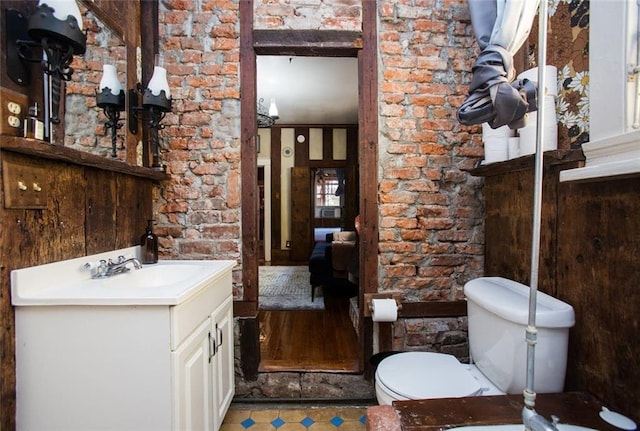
[(369, 297)]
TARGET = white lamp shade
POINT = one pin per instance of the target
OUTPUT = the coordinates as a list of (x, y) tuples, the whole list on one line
[(159, 82), (273, 109), (110, 79), (63, 8)]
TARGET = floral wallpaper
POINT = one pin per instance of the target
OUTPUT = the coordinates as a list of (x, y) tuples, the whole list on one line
[(568, 50)]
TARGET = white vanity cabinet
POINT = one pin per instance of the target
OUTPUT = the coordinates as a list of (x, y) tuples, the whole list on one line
[(159, 361), (203, 369)]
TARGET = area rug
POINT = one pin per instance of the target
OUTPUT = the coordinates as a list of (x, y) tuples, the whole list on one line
[(287, 288)]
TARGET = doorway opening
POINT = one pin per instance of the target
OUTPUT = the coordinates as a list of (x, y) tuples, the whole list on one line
[(361, 47), (309, 149)]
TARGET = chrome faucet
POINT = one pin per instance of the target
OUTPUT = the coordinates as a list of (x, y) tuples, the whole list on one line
[(534, 421), (109, 268)]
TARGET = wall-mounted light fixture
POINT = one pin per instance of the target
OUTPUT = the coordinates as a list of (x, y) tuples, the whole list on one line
[(56, 28), (111, 99), (267, 118), (156, 102)]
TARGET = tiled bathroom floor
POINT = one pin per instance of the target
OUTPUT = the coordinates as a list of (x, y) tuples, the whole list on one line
[(294, 418)]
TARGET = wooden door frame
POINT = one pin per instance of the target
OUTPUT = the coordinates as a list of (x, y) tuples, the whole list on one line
[(325, 43)]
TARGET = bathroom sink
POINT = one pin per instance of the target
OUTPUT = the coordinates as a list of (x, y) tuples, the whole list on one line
[(69, 282), (164, 273), (517, 427)]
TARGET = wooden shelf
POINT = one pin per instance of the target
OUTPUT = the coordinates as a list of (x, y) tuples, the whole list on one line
[(70, 155), (555, 157)]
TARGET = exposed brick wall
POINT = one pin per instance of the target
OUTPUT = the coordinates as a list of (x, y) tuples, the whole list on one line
[(198, 211), (445, 335), (431, 235), (84, 121), (308, 15)]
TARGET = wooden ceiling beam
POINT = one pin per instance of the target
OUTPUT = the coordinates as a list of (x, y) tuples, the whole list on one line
[(326, 43)]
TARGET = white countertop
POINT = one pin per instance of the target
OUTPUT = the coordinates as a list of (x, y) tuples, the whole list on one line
[(168, 282)]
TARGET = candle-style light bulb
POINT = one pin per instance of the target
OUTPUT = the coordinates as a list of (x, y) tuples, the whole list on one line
[(63, 8), (273, 109), (110, 78), (159, 81)]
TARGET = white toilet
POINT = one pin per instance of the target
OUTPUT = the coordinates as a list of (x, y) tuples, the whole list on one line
[(498, 311)]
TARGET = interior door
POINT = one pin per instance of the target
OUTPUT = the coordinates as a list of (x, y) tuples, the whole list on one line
[(301, 213)]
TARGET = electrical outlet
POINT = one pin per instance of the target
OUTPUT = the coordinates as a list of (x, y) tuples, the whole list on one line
[(25, 186), (13, 109)]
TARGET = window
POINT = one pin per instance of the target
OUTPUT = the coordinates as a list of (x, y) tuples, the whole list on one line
[(326, 192), (329, 187), (614, 126)]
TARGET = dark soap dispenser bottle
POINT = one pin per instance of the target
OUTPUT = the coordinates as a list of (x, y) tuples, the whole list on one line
[(149, 245)]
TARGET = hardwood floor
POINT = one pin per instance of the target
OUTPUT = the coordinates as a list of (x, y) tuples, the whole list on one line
[(312, 341)]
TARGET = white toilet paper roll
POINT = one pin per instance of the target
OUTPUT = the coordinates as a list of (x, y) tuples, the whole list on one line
[(496, 149), (503, 131), (384, 310), (513, 149), (550, 132)]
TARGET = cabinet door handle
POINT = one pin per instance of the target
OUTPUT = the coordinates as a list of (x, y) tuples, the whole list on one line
[(220, 334), (212, 347)]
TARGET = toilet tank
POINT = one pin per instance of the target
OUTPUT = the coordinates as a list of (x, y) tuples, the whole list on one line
[(498, 311)]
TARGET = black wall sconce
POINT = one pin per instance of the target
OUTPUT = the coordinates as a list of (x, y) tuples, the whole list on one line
[(55, 27), (156, 102), (111, 100)]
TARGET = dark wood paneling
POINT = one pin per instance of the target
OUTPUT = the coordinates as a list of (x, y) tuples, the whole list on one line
[(276, 186), (249, 173), (307, 42), (327, 143), (301, 208), (554, 157), (112, 12), (511, 221), (150, 40), (433, 309), (437, 414), (70, 155), (302, 149), (249, 346), (599, 274), (134, 203), (101, 198), (590, 244), (133, 28), (368, 151)]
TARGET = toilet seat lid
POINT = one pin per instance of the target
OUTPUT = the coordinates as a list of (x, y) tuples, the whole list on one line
[(421, 375)]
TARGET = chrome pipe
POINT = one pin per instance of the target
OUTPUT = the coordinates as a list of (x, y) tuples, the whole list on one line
[(531, 336)]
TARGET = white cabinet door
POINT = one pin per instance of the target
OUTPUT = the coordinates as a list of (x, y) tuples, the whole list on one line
[(193, 395), (224, 385)]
